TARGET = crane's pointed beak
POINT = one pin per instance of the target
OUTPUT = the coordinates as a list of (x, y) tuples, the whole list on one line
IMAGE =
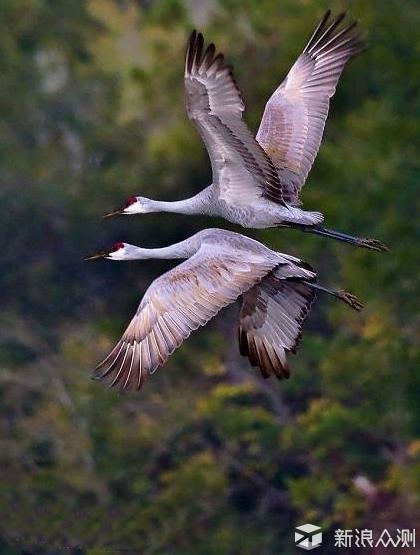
[(114, 213), (96, 256)]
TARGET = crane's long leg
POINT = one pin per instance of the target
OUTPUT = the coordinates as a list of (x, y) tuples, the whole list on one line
[(344, 296), (367, 243)]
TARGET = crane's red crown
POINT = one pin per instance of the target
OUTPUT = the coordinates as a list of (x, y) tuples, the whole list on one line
[(130, 201), (116, 247)]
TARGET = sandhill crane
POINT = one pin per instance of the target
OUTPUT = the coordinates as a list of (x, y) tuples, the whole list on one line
[(221, 265), (256, 181)]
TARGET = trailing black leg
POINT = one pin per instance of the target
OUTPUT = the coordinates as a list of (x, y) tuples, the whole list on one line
[(367, 243), (344, 296)]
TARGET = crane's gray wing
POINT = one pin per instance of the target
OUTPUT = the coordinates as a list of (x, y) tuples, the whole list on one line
[(242, 171), (177, 303), (271, 319), (293, 122)]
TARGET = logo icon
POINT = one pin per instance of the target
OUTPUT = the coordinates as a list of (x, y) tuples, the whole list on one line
[(308, 536)]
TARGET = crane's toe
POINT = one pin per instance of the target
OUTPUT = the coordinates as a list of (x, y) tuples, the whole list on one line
[(351, 300), (372, 244)]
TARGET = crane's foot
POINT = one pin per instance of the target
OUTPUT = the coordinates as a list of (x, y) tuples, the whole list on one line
[(372, 244), (350, 299)]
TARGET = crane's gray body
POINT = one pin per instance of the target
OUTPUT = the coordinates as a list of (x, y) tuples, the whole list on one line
[(259, 214)]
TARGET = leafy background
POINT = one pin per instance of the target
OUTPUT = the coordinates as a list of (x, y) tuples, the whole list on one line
[(209, 457)]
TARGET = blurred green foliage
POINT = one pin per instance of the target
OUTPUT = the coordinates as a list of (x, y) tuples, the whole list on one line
[(209, 457)]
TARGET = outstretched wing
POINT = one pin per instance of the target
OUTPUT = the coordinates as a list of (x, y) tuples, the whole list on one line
[(177, 303), (294, 117), (242, 171), (271, 319)]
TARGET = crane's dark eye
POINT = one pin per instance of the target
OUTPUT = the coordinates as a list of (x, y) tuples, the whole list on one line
[(130, 201), (117, 247)]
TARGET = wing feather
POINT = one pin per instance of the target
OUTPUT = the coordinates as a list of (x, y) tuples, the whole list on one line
[(294, 118), (271, 319), (242, 171), (176, 304)]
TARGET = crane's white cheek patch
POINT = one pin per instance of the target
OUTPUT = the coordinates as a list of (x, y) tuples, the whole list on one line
[(117, 255), (135, 208)]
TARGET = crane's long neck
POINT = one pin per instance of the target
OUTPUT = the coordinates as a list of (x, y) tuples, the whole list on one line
[(198, 204), (183, 249)]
